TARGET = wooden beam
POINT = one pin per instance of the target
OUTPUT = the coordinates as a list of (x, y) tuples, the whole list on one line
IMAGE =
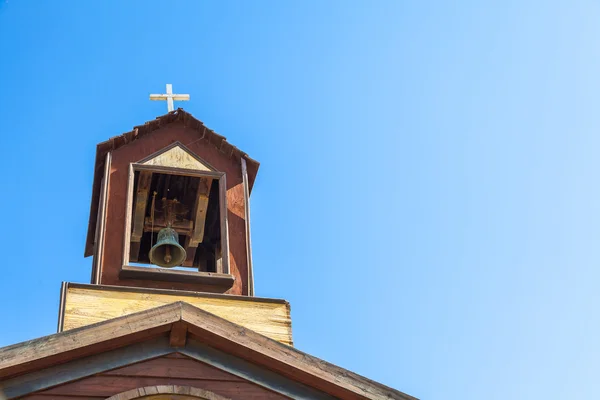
[(247, 225), (61, 306), (199, 212), (182, 227), (72, 370), (139, 211), (222, 264), (101, 223), (178, 334), (222, 281), (118, 332)]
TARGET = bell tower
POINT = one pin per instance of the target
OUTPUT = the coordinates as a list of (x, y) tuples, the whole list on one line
[(169, 222), (170, 208)]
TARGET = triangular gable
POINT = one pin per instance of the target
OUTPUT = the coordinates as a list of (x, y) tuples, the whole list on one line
[(184, 328), (178, 156)]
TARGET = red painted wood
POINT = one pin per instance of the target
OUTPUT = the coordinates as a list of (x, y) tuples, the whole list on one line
[(184, 368), (107, 386), (117, 197)]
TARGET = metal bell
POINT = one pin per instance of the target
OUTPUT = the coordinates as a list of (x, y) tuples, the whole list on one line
[(167, 252)]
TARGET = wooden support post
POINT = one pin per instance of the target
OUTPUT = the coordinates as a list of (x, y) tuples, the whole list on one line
[(101, 223), (199, 216), (139, 212), (247, 223), (199, 212)]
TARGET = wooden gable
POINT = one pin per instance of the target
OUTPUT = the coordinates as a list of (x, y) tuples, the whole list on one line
[(136, 351), (178, 156)]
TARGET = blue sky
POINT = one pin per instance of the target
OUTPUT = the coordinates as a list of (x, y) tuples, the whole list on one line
[(427, 199)]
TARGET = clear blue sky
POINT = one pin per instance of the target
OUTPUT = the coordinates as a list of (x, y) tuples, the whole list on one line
[(428, 197)]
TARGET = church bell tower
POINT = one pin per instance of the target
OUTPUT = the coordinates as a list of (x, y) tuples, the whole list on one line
[(169, 221), (170, 209)]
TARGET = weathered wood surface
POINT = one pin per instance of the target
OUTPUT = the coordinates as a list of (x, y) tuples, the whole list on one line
[(168, 367), (179, 158), (164, 275), (206, 328), (181, 371), (233, 229), (178, 334), (167, 392), (88, 304), (110, 385), (119, 332)]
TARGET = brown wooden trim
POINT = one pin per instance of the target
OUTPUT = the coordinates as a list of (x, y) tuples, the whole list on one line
[(80, 342), (224, 267), (172, 146), (247, 224), (61, 306), (101, 223), (175, 292), (251, 372), (128, 216), (141, 199), (149, 391), (208, 329), (170, 275), (177, 171), (199, 213), (73, 370)]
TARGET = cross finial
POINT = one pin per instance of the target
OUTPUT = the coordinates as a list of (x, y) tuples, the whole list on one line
[(169, 97)]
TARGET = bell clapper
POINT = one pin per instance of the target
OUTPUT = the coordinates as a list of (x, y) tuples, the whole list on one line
[(168, 254)]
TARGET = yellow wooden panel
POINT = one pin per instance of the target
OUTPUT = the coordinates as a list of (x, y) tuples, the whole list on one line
[(179, 158), (88, 305)]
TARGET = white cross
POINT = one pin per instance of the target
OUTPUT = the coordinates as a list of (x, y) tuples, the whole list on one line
[(169, 97)]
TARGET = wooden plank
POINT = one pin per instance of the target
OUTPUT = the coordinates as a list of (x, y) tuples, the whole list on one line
[(223, 261), (182, 227), (79, 368), (184, 368), (111, 385), (101, 222), (167, 392), (87, 304), (139, 210), (252, 372), (177, 171), (178, 334), (61, 306), (247, 226), (128, 207), (55, 349), (172, 275), (199, 212)]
